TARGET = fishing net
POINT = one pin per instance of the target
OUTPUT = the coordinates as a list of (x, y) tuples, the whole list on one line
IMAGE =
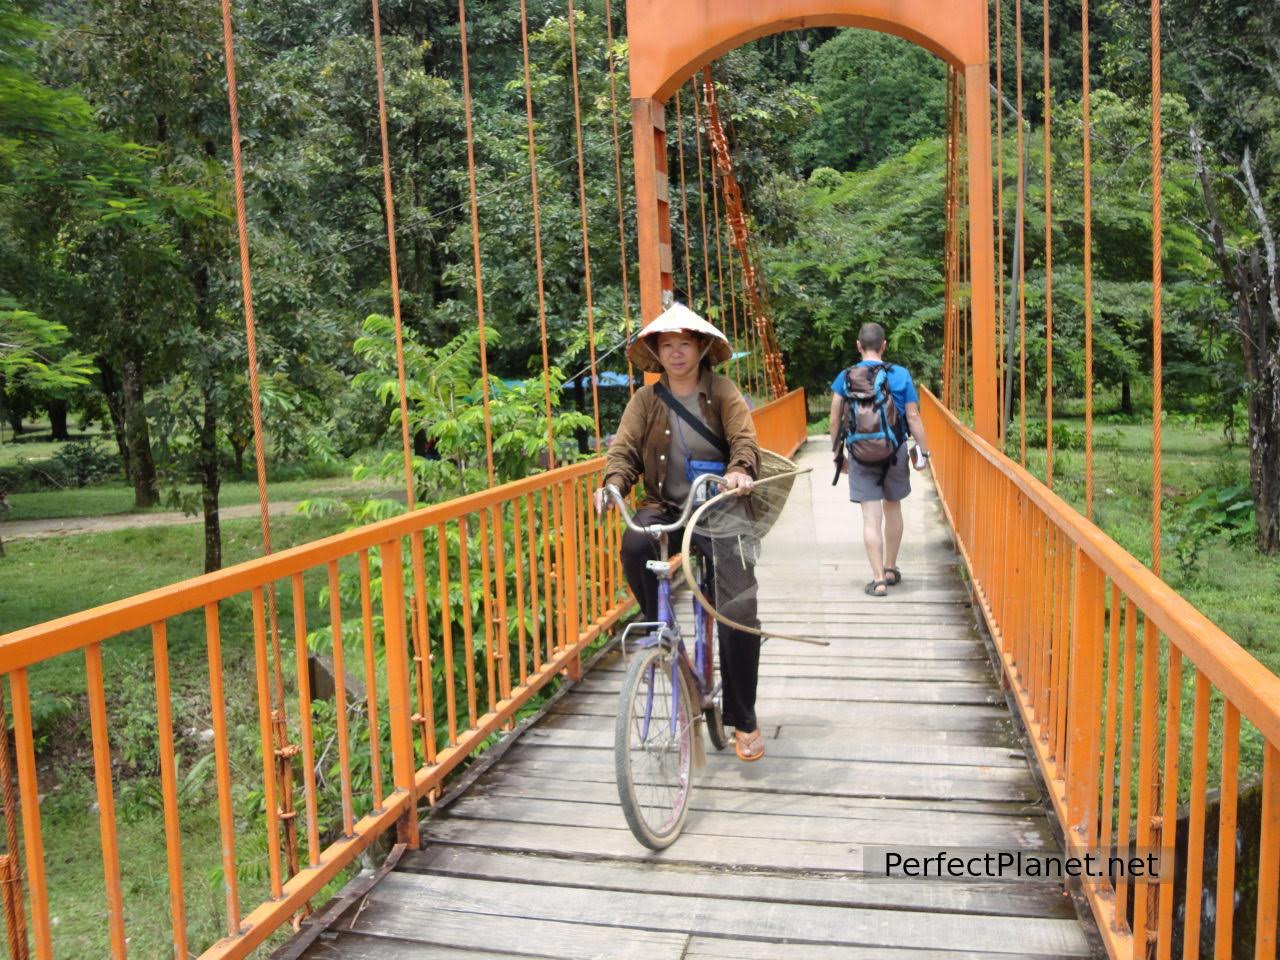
[(764, 567)]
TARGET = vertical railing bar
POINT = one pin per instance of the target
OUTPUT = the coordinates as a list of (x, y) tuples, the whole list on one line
[(1064, 592), (572, 577), (15, 912), (490, 672), (29, 790), (561, 523), (1109, 752), (1169, 816), (446, 631), (222, 762), (468, 641), (305, 718), (426, 694), (399, 709), (370, 679), (595, 544), (1146, 766), (1124, 815), (1226, 888), (1268, 856), (169, 784), (1083, 713), (522, 638), (503, 652), (262, 675), (548, 577), (96, 687), (1037, 632), (1195, 824), (535, 615), (340, 701)]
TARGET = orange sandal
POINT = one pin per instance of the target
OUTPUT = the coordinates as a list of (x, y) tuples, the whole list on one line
[(748, 746)]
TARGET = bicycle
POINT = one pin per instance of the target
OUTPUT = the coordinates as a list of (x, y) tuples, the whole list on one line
[(655, 729)]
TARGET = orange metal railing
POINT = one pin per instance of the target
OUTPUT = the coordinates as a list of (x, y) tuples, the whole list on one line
[(1098, 652), (529, 578)]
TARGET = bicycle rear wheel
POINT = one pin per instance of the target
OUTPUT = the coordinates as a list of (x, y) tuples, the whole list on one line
[(714, 714), (653, 747)]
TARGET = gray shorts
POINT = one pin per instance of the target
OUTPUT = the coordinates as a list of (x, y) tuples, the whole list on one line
[(865, 484)]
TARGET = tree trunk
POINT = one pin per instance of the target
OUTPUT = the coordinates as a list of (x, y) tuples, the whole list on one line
[(1126, 396), (145, 485), (210, 484), (109, 380), (1252, 286), (58, 419)]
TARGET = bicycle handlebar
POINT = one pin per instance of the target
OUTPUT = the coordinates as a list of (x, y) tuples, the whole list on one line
[(656, 530)]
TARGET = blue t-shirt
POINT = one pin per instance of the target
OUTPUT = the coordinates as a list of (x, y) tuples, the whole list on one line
[(901, 386)]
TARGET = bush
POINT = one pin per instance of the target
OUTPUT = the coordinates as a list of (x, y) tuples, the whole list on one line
[(1217, 513), (83, 462)]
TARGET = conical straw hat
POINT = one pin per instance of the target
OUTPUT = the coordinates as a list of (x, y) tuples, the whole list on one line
[(643, 351)]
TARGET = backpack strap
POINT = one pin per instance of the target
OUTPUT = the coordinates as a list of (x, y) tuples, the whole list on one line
[(700, 428)]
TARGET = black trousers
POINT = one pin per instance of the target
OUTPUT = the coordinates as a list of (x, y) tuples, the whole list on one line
[(739, 650)]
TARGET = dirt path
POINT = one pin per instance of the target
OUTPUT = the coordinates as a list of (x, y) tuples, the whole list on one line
[(67, 526)]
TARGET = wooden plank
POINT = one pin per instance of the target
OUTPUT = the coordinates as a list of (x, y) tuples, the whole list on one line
[(936, 671), (781, 770), (405, 893), (920, 832), (380, 927), (357, 946), (715, 948), (879, 691), (990, 898), (813, 777), (792, 728), (510, 782), (856, 745), (921, 716)]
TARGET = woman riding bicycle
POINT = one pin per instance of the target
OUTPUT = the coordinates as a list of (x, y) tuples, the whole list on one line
[(662, 445)]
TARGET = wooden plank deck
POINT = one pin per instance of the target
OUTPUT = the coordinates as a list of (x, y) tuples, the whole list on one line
[(895, 734)]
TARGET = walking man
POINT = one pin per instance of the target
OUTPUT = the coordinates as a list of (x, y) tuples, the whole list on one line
[(874, 407)]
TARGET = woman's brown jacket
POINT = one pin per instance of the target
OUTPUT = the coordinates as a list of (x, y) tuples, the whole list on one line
[(642, 446)]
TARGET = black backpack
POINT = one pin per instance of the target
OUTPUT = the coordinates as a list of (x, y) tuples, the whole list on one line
[(870, 429)]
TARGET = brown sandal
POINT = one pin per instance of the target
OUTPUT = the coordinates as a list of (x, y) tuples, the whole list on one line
[(748, 746)]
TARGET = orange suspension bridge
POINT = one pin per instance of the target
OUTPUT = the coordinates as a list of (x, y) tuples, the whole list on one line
[(1069, 699)]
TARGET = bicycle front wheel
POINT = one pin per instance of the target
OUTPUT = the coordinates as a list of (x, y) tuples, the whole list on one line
[(653, 747)]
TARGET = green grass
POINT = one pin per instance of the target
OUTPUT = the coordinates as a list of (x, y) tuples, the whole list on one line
[(112, 499), (49, 578), (1230, 583), (34, 443)]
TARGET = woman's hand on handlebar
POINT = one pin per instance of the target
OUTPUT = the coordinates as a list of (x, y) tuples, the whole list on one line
[(738, 481), (603, 501)]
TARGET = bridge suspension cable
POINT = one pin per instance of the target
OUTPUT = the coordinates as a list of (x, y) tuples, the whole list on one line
[(715, 212), (475, 241), (1048, 257), (1157, 282), (537, 233), (282, 751), (617, 168), (1000, 332), (684, 202), (702, 196), (1022, 273), (586, 229), (1087, 214)]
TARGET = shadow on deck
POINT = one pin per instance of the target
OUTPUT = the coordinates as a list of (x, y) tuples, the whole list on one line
[(896, 734)]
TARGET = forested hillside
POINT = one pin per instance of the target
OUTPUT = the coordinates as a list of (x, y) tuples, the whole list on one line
[(119, 272)]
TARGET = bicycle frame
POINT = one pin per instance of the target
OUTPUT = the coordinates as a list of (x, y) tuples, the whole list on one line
[(666, 629)]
